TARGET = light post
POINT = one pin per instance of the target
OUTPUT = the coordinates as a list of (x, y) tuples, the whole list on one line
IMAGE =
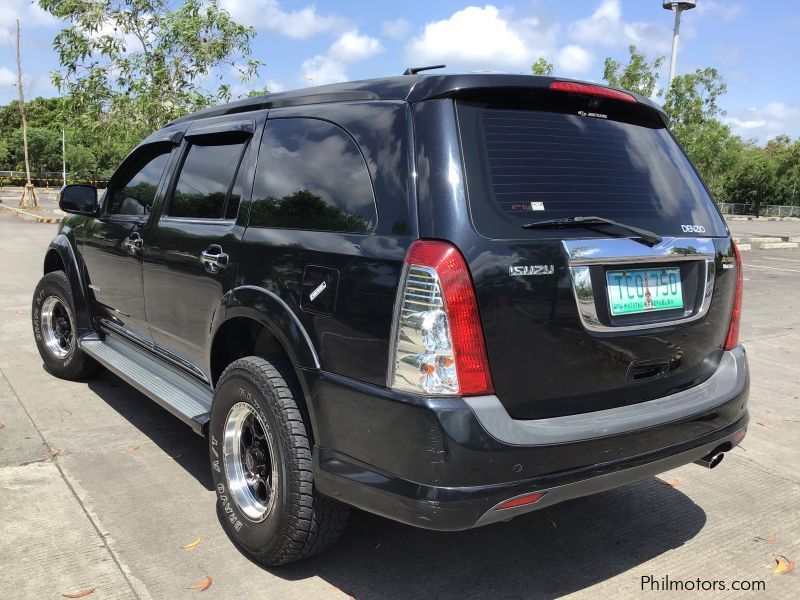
[(63, 158), (678, 7)]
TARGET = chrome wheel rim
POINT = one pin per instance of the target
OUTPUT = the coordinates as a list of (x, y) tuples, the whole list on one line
[(248, 454), (57, 332)]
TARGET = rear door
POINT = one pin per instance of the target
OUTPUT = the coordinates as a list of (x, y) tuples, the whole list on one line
[(579, 319), (190, 260)]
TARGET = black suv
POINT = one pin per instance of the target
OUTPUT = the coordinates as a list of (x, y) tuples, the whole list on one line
[(444, 299)]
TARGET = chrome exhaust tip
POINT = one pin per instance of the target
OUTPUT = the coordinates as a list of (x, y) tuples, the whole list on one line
[(710, 460)]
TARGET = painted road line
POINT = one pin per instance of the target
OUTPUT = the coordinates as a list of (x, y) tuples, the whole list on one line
[(771, 268), (779, 258)]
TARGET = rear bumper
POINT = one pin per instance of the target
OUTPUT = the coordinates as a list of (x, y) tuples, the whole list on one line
[(447, 463)]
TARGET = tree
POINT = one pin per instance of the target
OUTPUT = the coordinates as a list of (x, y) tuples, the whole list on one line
[(80, 160), (754, 178), (692, 98), (147, 61), (542, 67), (28, 199), (639, 75)]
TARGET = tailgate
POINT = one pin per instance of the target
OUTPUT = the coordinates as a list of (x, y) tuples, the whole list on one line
[(583, 318)]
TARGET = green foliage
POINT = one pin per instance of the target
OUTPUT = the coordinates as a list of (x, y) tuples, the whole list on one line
[(692, 98), (733, 170), (80, 160), (639, 75), (304, 210), (147, 60), (542, 67)]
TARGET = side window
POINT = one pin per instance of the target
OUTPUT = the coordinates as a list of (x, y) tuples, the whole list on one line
[(311, 175), (204, 185), (135, 192)]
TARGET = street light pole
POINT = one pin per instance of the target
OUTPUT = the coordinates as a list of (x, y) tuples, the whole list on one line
[(678, 7), (63, 158)]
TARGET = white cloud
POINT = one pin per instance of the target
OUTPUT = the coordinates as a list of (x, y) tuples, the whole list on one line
[(725, 11), (766, 122), (606, 27), (483, 37), (268, 14), (331, 67), (573, 59), (7, 77), (354, 47), (275, 86), (29, 14), (396, 28)]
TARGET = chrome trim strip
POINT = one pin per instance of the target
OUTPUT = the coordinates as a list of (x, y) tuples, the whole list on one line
[(727, 381), (625, 250), (582, 254)]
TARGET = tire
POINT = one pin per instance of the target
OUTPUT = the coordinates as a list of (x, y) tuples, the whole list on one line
[(53, 316), (273, 512)]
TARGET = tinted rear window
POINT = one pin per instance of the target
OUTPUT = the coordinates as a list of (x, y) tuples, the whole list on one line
[(529, 165)]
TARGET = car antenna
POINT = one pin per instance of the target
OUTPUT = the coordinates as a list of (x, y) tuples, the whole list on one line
[(415, 70)]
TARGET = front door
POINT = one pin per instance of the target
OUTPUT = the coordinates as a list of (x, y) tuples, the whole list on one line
[(191, 262), (113, 243)]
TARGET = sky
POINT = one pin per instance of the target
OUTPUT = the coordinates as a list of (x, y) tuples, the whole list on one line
[(753, 44)]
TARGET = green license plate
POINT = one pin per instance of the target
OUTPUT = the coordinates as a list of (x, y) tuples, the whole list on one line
[(644, 290)]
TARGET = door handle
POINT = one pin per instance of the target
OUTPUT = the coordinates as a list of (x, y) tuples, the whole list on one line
[(214, 258), (133, 243)]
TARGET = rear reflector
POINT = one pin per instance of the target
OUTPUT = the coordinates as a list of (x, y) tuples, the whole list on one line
[(521, 501), (736, 313), (591, 90)]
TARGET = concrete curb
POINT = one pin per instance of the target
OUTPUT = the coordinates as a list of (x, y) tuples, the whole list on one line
[(28, 216), (778, 245)]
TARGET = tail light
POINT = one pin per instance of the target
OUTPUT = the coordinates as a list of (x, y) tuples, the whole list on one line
[(438, 343), (736, 314), (591, 90)]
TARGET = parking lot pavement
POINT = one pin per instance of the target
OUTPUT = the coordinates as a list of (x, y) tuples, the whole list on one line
[(128, 485), (760, 227)]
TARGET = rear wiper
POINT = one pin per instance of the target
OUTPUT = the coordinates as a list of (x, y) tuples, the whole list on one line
[(643, 235)]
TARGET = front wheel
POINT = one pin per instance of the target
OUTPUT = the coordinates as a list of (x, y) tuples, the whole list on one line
[(260, 452), (54, 329)]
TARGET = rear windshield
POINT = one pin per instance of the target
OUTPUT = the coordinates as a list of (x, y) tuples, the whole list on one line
[(526, 165)]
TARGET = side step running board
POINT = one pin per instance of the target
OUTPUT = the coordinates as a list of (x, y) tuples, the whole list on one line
[(176, 391)]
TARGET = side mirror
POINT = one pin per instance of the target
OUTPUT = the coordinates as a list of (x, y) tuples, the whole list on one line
[(78, 199)]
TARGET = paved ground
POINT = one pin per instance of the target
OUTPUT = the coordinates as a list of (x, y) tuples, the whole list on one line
[(129, 486), (760, 227)]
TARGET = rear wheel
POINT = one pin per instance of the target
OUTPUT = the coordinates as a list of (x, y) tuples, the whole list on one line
[(53, 317), (261, 464)]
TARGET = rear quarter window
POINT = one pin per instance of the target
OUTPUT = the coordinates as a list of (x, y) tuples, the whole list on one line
[(526, 165), (311, 175)]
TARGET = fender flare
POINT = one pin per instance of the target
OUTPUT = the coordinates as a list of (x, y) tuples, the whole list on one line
[(61, 244), (270, 310)]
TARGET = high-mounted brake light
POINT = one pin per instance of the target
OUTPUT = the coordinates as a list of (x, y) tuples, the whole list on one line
[(736, 313), (591, 90), (439, 346)]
